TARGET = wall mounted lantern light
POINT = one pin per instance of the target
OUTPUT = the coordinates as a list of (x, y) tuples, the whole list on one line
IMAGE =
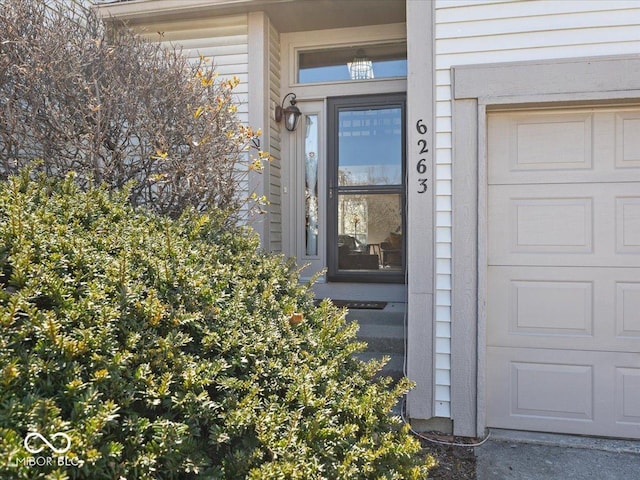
[(291, 114)]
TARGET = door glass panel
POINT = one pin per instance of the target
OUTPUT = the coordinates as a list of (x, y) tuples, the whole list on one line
[(311, 185), (370, 147), (366, 219), (370, 232)]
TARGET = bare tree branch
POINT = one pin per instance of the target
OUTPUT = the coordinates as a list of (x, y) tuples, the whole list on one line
[(83, 96)]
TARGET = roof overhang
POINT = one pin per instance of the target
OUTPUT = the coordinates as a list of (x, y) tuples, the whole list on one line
[(286, 15)]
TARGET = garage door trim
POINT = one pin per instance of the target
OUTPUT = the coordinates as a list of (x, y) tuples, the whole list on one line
[(478, 89)]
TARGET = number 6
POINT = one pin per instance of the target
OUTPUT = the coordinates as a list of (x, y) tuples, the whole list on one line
[(421, 127)]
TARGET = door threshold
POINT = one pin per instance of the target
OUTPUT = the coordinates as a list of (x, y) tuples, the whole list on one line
[(359, 304), (361, 292)]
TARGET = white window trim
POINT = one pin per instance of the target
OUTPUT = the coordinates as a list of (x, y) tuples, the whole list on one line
[(293, 43)]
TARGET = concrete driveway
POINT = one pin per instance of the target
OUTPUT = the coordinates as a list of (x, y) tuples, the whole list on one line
[(532, 456)]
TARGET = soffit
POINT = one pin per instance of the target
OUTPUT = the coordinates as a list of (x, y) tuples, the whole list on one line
[(286, 15)]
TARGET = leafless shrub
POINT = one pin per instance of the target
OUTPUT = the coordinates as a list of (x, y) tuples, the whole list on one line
[(83, 96)]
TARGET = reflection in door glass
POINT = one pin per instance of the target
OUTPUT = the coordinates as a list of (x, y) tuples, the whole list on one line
[(370, 147), (311, 185), (370, 232)]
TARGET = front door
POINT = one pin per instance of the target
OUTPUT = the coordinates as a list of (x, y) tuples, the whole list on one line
[(366, 194)]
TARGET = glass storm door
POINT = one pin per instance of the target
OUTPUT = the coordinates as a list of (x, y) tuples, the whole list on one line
[(366, 195)]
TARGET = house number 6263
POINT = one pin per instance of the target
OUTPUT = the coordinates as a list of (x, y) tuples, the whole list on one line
[(421, 166)]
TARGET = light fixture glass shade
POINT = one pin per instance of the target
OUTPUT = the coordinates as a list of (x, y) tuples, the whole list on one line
[(291, 116), (360, 68)]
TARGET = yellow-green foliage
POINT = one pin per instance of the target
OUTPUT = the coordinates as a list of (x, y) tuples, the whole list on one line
[(164, 349)]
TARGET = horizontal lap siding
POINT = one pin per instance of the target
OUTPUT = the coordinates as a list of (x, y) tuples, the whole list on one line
[(491, 32), (275, 169), (224, 40), (486, 31)]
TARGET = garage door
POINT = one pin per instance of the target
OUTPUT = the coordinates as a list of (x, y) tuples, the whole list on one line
[(563, 278)]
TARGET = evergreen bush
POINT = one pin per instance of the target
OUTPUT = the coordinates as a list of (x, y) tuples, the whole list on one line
[(169, 349)]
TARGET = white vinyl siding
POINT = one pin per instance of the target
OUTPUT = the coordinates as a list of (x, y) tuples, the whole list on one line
[(471, 32), (492, 31), (224, 40), (443, 238), (275, 168)]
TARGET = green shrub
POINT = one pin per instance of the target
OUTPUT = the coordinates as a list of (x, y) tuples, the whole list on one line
[(164, 349)]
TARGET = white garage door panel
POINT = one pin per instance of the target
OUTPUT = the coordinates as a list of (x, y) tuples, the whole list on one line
[(628, 224), (563, 273), (564, 308), (628, 311), (564, 147), (628, 140), (627, 393), (580, 392), (565, 224)]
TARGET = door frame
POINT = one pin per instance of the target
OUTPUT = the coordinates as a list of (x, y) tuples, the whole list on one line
[(290, 45), (334, 104)]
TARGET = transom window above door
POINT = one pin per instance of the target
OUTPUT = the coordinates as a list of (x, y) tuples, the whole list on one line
[(354, 62)]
